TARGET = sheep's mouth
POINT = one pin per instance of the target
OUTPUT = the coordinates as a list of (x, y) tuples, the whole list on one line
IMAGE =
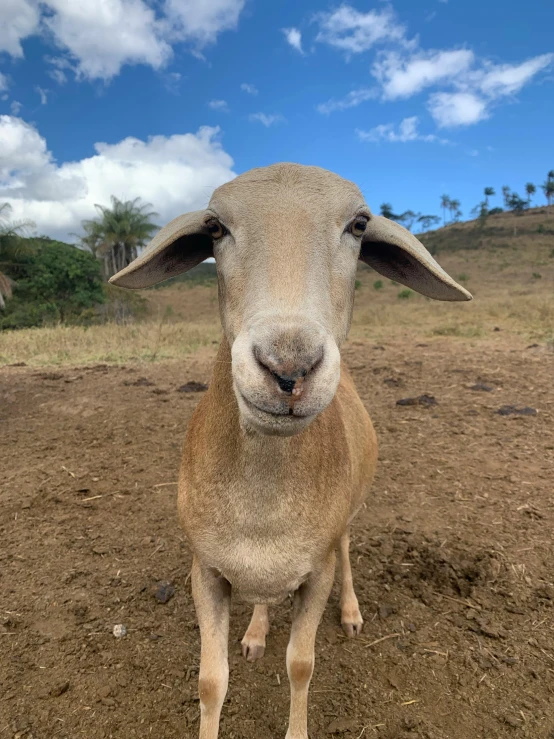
[(289, 412)]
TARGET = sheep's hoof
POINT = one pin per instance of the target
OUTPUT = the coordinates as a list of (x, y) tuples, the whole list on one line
[(253, 647), (352, 621)]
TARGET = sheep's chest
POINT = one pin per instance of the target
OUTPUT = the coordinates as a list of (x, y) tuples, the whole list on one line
[(264, 542)]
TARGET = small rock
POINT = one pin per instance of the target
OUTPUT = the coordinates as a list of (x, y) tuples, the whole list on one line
[(59, 688), (386, 610), (141, 382), (104, 691), (162, 591), (512, 721), (393, 381), (424, 400), (119, 630), (490, 630), (18, 364), (395, 680), (479, 386), (545, 591), (511, 410), (532, 346), (192, 387), (341, 726)]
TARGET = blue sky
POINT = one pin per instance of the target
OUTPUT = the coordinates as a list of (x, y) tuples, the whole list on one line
[(166, 100)]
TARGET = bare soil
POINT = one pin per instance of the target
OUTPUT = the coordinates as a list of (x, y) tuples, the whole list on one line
[(453, 556)]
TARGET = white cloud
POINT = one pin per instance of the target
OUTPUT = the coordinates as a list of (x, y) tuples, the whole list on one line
[(353, 32), (294, 38), (401, 78), (200, 21), (267, 120), (61, 64), (23, 149), (219, 105), (466, 88), (407, 131), (100, 37), (507, 79), (18, 20), (250, 89), (352, 100), (43, 95), (175, 173), (457, 109), (58, 76), (3, 82), (15, 107), (172, 81)]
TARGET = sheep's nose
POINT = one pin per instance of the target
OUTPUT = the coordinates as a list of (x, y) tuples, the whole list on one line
[(289, 373)]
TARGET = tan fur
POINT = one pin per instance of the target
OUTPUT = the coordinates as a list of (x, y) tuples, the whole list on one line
[(252, 505), (280, 452)]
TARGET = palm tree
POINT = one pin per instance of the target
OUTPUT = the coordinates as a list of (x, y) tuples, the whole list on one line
[(489, 193), (445, 203), (387, 211), (506, 195), (548, 188), (530, 189), (407, 218), (454, 208), (118, 233), (12, 246), (427, 221)]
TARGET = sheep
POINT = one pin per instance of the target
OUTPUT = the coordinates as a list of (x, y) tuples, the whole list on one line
[(280, 452)]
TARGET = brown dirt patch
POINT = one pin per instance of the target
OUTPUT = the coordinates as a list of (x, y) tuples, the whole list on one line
[(453, 555)]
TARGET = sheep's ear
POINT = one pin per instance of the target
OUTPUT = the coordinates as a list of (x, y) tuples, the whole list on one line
[(396, 253), (178, 247)]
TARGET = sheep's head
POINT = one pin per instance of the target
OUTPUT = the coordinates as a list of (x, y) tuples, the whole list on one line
[(286, 241)]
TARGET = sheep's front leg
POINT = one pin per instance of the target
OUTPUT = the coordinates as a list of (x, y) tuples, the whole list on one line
[(350, 616), (309, 603), (212, 600), (253, 643)]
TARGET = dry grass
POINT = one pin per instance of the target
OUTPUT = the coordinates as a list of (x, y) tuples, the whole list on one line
[(512, 282), (145, 342)]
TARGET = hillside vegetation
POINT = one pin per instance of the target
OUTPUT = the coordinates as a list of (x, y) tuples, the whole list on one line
[(507, 264)]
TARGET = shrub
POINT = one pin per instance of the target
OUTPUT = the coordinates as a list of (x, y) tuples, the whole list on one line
[(404, 294), (357, 285), (378, 284), (54, 282), (463, 277), (537, 275)]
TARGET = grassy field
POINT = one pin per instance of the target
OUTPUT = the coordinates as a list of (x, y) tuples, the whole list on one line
[(508, 267)]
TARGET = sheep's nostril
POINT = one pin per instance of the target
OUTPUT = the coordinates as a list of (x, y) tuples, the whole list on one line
[(285, 382), (289, 375)]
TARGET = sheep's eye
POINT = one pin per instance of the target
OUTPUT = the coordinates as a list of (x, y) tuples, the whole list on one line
[(216, 229), (357, 227)]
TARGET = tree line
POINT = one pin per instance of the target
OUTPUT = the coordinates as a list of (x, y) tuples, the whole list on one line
[(451, 208), (113, 240)]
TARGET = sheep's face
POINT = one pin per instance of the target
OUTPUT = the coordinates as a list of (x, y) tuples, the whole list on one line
[(286, 245), (286, 240)]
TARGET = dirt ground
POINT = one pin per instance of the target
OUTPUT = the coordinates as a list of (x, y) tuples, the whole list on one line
[(453, 556)]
